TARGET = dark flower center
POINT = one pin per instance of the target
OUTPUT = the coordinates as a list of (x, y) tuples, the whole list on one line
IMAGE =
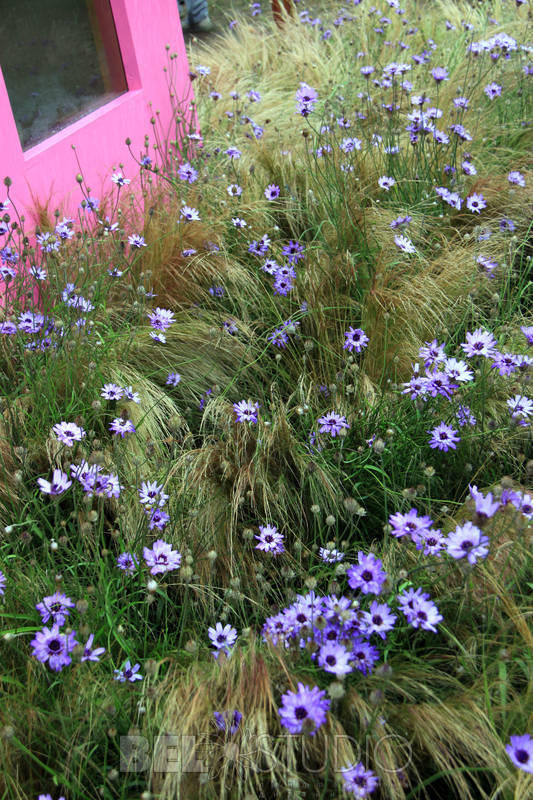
[(422, 615), (221, 638), (467, 545), (300, 712), (522, 756), (54, 646), (367, 575), (301, 617), (377, 620), (331, 660)]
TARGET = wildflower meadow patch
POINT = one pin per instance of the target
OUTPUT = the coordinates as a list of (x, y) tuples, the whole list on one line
[(266, 492)]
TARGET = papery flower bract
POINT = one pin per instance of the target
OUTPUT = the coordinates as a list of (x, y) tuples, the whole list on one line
[(128, 673), (270, 539), (332, 423), (520, 751), (304, 710), (161, 557)]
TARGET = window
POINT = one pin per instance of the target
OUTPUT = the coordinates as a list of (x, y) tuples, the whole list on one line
[(60, 60)]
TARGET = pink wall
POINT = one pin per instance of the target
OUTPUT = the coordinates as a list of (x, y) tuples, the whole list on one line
[(47, 172)]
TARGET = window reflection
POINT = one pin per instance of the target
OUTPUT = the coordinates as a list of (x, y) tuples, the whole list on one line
[(60, 60)]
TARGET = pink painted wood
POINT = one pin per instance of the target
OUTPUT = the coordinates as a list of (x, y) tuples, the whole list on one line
[(47, 172)]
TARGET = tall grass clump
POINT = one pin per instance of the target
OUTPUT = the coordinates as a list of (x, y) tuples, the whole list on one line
[(266, 445)]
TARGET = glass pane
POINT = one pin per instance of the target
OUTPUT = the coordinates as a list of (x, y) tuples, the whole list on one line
[(60, 60)]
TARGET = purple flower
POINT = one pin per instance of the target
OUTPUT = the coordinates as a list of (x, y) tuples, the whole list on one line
[(330, 555), (479, 343), (304, 710), (238, 222), (2, 582), (332, 423), (228, 721), (356, 339), (136, 241), (404, 244), (386, 182), (379, 619), (517, 178), (335, 658), (234, 190), (465, 416), (173, 378), (190, 214), (55, 647), (150, 492), (293, 251), (272, 191), (476, 203), (186, 172), (359, 781), (306, 99), (233, 152), (161, 557), (161, 318), (408, 524), (60, 483), (440, 74), (122, 426), (364, 656), (68, 433), (420, 611), (119, 179), (493, 90), (111, 391), (222, 637), (520, 751), (246, 411), (486, 506), (467, 541), (443, 437), (90, 653), (128, 673), (270, 540), (520, 407), (127, 562), (368, 576), (55, 607)]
